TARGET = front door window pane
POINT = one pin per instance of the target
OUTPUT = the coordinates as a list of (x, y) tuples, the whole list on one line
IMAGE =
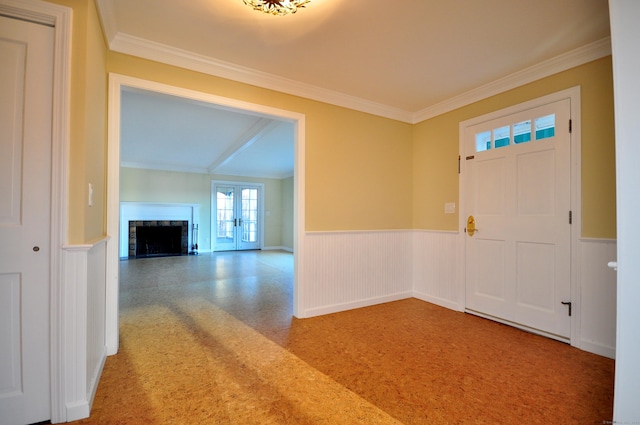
[(545, 127), (522, 132), (483, 141), (501, 136)]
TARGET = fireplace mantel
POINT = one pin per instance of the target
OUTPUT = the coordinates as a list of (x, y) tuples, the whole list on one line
[(145, 211)]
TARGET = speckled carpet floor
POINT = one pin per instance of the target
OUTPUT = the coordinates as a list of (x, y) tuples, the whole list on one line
[(210, 339)]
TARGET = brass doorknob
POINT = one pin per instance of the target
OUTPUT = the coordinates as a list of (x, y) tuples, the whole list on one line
[(471, 226)]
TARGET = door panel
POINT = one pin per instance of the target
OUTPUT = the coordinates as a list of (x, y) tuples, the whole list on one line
[(249, 219), (225, 227), (517, 182), (26, 74)]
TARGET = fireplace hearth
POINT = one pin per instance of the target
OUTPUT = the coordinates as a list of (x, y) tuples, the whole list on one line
[(158, 238)]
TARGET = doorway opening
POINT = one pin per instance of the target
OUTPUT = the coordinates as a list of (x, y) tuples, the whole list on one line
[(118, 83)]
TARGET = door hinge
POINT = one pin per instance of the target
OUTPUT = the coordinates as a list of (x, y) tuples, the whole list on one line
[(458, 164), (570, 126), (570, 217)]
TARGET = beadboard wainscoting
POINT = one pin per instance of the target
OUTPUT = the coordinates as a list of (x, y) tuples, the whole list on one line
[(435, 268), (84, 347), (598, 289), (346, 270)]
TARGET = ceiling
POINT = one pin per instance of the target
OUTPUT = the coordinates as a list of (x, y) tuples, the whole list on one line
[(164, 132), (402, 59)]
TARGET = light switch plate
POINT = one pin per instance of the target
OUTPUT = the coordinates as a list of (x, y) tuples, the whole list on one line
[(450, 208), (90, 195)]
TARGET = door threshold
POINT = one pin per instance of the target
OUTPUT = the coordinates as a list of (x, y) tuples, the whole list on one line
[(520, 326)]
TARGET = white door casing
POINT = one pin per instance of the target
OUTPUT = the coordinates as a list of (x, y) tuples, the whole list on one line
[(26, 78), (518, 266)]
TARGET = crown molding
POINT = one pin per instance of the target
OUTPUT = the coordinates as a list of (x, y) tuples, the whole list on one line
[(146, 49), (563, 62), (199, 170), (164, 167), (135, 46), (107, 14)]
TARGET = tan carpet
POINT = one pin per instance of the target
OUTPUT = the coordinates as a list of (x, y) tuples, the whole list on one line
[(211, 340)]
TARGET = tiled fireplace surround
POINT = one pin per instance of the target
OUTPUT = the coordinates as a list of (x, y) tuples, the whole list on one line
[(135, 224), (133, 214)]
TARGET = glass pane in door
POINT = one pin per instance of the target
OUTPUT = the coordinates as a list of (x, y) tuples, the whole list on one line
[(225, 214), (249, 215)]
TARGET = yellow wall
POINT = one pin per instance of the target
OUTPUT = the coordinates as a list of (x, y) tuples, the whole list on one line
[(358, 166), (362, 172), (436, 146), (87, 155)]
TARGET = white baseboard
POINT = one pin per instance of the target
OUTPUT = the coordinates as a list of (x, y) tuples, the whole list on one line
[(597, 348), (78, 410), (277, 248), (95, 378), (438, 301), (337, 308)]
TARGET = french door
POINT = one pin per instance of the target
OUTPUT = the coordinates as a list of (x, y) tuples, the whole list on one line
[(518, 232), (236, 216)]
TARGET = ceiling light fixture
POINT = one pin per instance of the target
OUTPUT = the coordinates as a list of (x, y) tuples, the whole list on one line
[(276, 7)]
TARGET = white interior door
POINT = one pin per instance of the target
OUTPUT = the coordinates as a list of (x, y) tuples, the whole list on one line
[(518, 191), (26, 64), (237, 218)]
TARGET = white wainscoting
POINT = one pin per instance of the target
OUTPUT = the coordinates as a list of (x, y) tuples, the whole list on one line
[(346, 270), (598, 292), (83, 332), (435, 268)]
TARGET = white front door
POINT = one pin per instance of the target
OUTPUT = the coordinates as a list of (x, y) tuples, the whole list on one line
[(236, 217), (518, 193), (26, 70)]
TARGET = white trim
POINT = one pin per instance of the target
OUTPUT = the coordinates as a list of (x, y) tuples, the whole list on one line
[(213, 214), (136, 46), (61, 18), (451, 305), (572, 59), (117, 83), (576, 187), (146, 49), (367, 302), (277, 248), (356, 232)]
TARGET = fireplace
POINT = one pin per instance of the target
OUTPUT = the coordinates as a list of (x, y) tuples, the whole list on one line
[(158, 238)]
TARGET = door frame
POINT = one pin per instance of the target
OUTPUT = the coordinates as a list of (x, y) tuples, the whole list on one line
[(60, 18), (116, 83), (573, 94), (261, 217)]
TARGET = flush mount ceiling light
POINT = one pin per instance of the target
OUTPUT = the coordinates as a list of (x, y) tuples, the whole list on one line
[(276, 7)]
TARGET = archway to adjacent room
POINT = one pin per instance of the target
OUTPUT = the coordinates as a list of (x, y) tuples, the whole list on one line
[(119, 82)]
